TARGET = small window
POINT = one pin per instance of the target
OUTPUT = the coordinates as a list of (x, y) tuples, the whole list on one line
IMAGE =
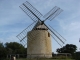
[(48, 34)]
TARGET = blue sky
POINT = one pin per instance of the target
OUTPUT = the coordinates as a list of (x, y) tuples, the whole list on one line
[(13, 20)]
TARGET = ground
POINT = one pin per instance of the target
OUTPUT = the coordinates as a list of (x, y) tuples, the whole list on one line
[(44, 59)]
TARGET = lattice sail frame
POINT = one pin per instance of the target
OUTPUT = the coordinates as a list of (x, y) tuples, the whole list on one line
[(35, 15)]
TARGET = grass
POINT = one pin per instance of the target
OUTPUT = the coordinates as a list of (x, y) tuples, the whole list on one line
[(37, 59), (42, 59)]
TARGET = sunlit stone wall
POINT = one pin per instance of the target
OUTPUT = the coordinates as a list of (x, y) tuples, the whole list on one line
[(39, 44)]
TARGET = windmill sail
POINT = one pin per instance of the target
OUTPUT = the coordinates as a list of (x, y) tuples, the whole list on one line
[(52, 13), (39, 24), (23, 35), (56, 37), (32, 12), (58, 33)]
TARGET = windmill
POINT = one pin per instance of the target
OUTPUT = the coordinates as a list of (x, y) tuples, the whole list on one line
[(38, 35)]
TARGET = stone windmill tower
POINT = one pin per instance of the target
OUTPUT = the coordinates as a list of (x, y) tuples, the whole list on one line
[(38, 34)]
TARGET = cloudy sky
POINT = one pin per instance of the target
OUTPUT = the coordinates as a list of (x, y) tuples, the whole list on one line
[(13, 20)]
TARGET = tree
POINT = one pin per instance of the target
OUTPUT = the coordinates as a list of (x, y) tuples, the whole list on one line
[(68, 48), (2, 51), (15, 48), (11, 48)]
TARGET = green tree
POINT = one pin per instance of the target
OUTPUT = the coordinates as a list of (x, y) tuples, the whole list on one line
[(15, 48), (68, 48), (2, 51)]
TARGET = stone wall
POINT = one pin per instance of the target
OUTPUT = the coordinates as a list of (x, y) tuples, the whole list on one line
[(39, 44)]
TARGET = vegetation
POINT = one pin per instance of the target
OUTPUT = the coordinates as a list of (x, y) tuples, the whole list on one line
[(44, 59), (39, 59), (11, 48), (77, 55), (17, 48), (69, 48)]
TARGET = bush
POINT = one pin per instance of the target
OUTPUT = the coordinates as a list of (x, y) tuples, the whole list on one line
[(4, 59)]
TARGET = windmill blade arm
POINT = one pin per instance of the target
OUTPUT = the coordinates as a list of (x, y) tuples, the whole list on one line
[(23, 34), (32, 12), (54, 33), (53, 13), (56, 40), (28, 13), (56, 14), (58, 34)]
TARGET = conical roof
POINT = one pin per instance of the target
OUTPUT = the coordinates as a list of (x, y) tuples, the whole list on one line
[(40, 26)]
